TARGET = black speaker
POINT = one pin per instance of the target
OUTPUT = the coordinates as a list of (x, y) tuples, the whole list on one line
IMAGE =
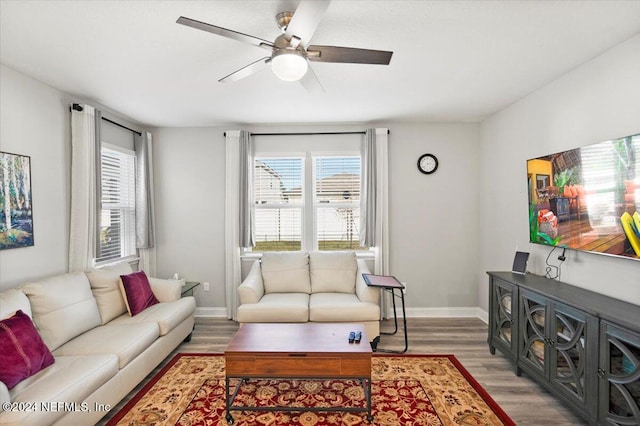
[(520, 263)]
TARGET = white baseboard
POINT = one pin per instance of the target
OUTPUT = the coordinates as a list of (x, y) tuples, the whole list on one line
[(211, 312), (447, 313), (411, 313)]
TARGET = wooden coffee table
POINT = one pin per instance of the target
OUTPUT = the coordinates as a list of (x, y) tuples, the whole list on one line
[(297, 351)]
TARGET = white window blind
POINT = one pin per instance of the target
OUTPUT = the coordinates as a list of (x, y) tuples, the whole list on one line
[(117, 235), (337, 202), (279, 199)]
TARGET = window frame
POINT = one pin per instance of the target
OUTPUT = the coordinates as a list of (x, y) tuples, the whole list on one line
[(128, 231), (309, 207), (301, 207)]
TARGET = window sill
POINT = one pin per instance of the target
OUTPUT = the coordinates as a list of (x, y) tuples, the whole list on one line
[(111, 262), (366, 255)]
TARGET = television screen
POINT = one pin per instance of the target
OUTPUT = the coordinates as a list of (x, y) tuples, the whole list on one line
[(588, 198)]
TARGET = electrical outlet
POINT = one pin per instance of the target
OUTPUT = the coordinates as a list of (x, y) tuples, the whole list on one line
[(205, 286), (404, 289)]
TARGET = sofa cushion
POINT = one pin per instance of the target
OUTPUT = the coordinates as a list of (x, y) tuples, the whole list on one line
[(167, 315), (286, 272), (340, 307), (136, 292), (63, 307), (12, 301), (105, 284), (333, 271), (23, 352), (126, 341), (70, 379), (276, 307)]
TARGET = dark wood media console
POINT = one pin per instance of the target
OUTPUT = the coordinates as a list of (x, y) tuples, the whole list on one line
[(582, 346)]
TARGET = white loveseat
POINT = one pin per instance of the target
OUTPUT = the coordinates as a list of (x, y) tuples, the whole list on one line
[(101, 352), (310, 286)]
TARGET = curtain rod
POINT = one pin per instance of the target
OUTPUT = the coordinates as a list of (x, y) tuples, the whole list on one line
[(308, 133), (78, 107), (120, 125)]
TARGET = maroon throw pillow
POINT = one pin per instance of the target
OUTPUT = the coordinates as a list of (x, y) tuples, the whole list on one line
[(22, 351), (137, 292)]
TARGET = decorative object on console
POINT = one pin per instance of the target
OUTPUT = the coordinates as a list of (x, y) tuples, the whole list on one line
[(520, 262), (16, 216)]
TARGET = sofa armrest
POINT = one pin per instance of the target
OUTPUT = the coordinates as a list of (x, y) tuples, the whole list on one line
[(252, 288), (363, 291), (4, 394), (165, 290)]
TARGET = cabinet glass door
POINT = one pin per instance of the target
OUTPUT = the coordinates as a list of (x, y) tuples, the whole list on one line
[(620, 376), (503, 314), (532, 332), (568, 355)]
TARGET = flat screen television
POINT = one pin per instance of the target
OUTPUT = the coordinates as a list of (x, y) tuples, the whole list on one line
[(588, 198)]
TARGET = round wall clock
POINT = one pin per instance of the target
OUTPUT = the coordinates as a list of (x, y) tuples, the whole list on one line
[(427, 163)]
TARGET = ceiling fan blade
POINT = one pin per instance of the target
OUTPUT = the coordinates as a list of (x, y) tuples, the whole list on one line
[(250, 69), (235, 35), (349, 55), (310, 82), (305, 20)]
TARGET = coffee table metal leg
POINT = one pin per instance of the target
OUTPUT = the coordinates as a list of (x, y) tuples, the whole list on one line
[(368, 396), (228, 402)]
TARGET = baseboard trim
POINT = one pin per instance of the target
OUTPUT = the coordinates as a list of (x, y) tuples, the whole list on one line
[(447, 313), (211, 312), (411, 313)]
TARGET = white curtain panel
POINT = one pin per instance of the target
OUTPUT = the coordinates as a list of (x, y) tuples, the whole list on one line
[(382, 202), (381, 217), (368, 190), (233, 275), (145, 212), (85, 157)]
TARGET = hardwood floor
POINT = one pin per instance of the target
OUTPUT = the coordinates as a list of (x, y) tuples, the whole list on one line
[(526, 402)]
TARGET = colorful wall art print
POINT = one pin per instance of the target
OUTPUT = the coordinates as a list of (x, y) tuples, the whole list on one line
[(16, 209)]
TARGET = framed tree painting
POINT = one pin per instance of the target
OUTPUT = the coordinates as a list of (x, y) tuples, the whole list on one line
[(16, 214)]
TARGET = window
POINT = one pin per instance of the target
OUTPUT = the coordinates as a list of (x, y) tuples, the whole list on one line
[(337, 202), (117, 232), (278, 192), (307, 208)]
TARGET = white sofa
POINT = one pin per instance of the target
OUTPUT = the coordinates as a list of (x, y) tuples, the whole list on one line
[(310, 286), (101, 352)]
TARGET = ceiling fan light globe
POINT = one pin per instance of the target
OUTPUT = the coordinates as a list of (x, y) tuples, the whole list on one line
[(289, 65)]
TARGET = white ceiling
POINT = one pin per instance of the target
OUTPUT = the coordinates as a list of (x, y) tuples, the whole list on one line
[(452, 61)]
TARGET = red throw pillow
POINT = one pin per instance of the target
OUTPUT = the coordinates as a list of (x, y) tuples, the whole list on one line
[(22, 351), (137, 292)]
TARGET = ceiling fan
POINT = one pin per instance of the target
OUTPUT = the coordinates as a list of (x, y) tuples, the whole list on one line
[(291, 51)]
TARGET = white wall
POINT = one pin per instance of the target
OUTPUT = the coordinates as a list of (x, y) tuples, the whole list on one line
[(34, 121), (598, 101), (189, 181), (433, 218)]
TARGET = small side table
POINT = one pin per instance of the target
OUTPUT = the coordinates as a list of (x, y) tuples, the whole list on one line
[(391, 284), (187, 288)]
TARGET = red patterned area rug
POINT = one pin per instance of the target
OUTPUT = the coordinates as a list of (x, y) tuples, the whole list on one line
[(406, 390)]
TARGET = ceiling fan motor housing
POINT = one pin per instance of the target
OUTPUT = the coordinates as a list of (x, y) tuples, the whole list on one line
[(283, 19)]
